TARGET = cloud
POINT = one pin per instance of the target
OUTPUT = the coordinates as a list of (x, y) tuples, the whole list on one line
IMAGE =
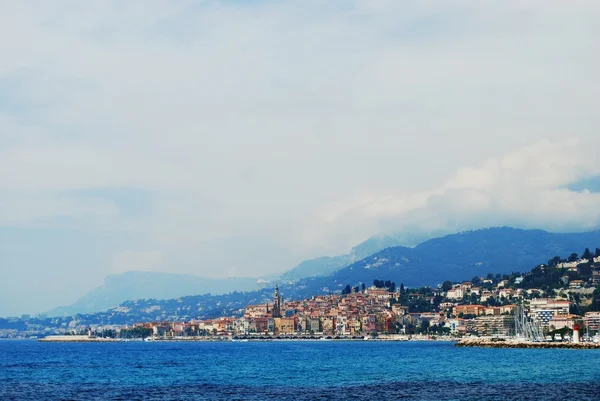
[(136, 261), (245, 136), (525, 188)]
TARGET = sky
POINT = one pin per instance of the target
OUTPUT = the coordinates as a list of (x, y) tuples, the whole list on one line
[(238, 138)]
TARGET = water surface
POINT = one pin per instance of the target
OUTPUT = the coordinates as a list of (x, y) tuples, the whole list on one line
[(326, 370)]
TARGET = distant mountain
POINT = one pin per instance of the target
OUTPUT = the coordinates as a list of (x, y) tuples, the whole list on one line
[(461, 256), (326, 265), (454, 257), (154, 285), (144, 285)]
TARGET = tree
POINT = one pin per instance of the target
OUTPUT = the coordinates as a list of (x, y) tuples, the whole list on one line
[(573, 257), (474, 298), (597, 253), (554, 261), (446, 285), (401, 288), (346, 290), (362, 286), (595, 305), (586, 254), (476, 280)]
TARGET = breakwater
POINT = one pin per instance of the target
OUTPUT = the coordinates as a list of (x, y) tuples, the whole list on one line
[(513, 343), (76, 339)]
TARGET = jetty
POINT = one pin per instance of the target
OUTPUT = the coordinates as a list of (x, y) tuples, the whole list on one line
[(518, 343), (76, 339)]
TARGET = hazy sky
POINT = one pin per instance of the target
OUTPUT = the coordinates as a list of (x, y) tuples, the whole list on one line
[(227, 138)]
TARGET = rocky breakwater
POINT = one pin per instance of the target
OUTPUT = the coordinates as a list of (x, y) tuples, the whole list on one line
[(514, 343), (76, 339)]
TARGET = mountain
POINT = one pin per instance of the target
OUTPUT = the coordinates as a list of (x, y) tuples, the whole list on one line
[(144, 285), (326, 265), (460, 257), (452, 257)]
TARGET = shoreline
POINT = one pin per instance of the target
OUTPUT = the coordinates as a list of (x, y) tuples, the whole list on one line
[(389, 338)]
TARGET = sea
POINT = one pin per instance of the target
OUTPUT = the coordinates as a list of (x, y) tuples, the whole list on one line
[(293, 370)]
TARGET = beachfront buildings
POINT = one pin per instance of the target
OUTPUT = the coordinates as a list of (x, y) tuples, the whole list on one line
[(482, 306)]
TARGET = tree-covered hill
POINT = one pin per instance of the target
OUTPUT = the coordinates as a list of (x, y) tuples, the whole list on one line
[(461, 256)]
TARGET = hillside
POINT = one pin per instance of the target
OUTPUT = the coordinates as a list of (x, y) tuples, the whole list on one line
[(453, 257), (463, 255), (145, 285), (325, 266)]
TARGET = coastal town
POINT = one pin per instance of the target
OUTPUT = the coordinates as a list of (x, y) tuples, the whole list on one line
[(495, 305)]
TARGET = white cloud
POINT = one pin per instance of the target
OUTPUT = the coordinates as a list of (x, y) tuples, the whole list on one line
[(264, 133), (525, 188), (135, 261)]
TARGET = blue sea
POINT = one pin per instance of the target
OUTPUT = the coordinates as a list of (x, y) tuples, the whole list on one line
[(325, 370)]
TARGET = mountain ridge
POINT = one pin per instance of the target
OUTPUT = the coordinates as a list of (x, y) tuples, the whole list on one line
[(451, 257), (160, 285), (454, 256), (133, 285)]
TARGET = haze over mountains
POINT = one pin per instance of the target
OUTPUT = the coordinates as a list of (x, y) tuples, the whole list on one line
[(140, 285), (452, 257)]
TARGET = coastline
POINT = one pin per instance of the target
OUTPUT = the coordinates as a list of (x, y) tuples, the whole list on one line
[(386, 338), (465, 342)]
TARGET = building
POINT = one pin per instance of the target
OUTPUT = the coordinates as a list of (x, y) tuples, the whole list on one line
[(491, 325), (506, 293), (277, 303), (561, 321), (259, 325), (455, 293), (508, 309), (469, 310), (253, 311), (591, 320), (284, 325), (561, 307), (457, 326), (485, 295), (544, 310), (576, 284), (596, 276), (311, 325), (544, 316), (399, 310), (493, 310)]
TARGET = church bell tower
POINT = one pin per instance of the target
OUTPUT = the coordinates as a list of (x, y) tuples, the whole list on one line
[(276, 303)]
